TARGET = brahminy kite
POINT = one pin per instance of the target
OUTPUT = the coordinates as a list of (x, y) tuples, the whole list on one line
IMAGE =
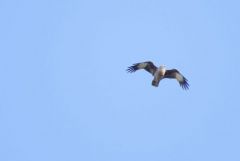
[(160, 73)]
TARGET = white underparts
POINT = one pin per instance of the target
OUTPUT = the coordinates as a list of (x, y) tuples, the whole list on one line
[(158, 75)]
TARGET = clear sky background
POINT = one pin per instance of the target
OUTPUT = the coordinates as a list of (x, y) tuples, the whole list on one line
[(65, 94)]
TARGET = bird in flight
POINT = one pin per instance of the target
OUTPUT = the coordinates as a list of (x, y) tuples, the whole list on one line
[(160, 73)]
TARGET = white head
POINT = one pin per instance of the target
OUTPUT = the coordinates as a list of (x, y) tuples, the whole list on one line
[(162, 70), (162, 67)]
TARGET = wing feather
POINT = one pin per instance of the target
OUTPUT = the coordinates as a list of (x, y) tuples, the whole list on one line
[(148, 66), (175, 74)]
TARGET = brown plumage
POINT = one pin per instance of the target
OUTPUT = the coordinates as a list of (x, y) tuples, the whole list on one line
[(160, 73)]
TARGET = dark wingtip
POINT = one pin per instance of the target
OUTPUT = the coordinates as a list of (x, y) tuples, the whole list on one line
[(132, 68), (184, 84)]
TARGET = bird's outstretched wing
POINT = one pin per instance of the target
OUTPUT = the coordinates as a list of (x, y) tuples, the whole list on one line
[(148, 66), (175, 74)]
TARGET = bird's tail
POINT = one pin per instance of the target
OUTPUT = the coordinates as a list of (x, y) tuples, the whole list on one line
[(155, 83)]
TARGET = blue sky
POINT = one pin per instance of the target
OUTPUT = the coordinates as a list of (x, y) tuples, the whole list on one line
[(65, 94)]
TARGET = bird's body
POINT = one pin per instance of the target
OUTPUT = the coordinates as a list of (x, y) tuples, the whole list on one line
[(160, 73)]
